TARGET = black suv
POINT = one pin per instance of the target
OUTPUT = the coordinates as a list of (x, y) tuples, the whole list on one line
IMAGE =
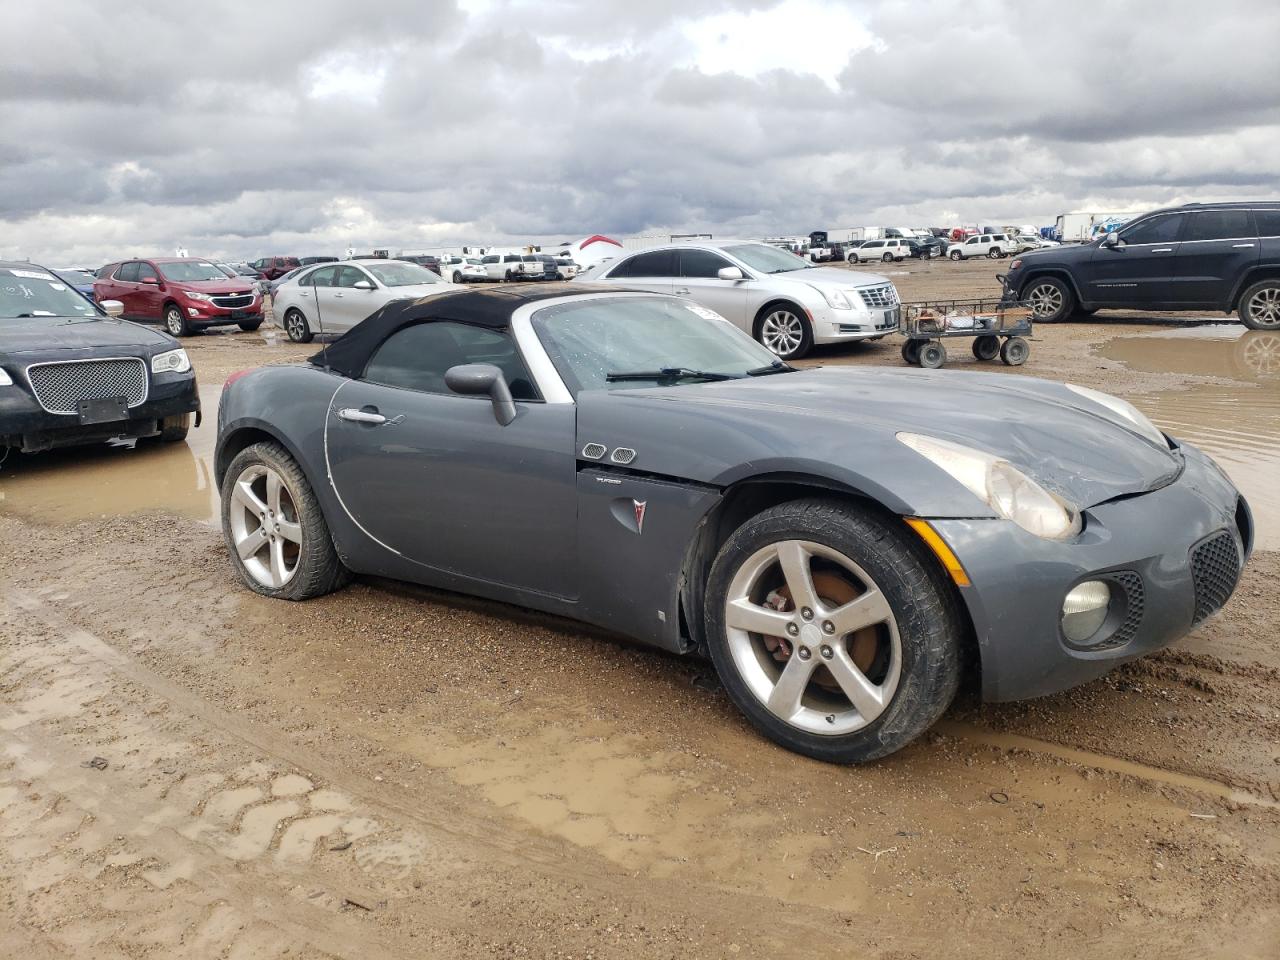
[(1211, 256)]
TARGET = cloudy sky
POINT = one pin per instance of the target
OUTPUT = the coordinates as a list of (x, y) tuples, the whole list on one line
[(237, 129)]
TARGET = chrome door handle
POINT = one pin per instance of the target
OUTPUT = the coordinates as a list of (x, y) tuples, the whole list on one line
[(1242, 246), (338, 294), (361, 416), (1163, 250), (683, 291)]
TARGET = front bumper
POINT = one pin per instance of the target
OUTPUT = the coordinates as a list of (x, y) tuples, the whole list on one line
[(1020, 581), (840, 326), (202, 314), (28, 426)]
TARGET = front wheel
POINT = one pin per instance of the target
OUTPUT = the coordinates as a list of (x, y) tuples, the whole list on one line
[(932, 355), (887, 258), (986, 347), (955, 255), (833, 630), (175, 322), (457, 277), (274, 529), (296, 327), (786, 332), (911, 351), (1050, 299), (1260, 306), (994, 253)]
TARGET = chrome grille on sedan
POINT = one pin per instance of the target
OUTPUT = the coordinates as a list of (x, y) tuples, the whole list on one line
[(885, 296), (233, 301), (59, 387), (1215, 570)]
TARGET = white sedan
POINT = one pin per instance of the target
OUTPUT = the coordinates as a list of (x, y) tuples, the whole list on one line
[(334, 297)]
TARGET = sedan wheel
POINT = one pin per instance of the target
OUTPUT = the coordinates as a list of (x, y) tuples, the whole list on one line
[(274, 528), (786, 333), (832, 630), (296, 327), (1260, 306)]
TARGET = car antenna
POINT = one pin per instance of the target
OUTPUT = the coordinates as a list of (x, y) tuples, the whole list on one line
[(324, 347)]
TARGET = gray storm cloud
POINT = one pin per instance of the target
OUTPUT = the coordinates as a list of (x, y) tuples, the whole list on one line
[(301, 127)]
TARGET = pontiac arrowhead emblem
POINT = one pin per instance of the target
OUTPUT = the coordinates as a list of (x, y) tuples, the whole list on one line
[(640, 505)]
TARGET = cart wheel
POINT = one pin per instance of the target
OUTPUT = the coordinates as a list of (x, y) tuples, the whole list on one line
[(911, 351), (986, 347), (932, 355), (1015, 351)]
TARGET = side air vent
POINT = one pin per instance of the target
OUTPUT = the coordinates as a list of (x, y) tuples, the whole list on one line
[(594, 451), (623, 455)]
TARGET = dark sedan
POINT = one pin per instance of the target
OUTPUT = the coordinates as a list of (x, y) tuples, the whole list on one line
[(839, 541), (72, 372)]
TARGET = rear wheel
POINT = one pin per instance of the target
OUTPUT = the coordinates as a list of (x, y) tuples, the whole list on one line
[(296, 326), (457, 277), (995, 253), (986, 347), (887, 258), (1050, 299), (832, 630), (272, 523), (175, 322), (1260, 306), (785, 331)]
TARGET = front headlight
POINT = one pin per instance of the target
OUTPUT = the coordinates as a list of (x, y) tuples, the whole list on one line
[(1134, 419), (5, 379), (172, 361), (836, 298), (196, 295), (1001, 486)]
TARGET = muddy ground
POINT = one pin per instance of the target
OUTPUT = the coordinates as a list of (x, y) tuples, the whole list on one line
[(189, 770)]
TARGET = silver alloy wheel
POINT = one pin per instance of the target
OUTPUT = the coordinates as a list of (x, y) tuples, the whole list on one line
[(173, 321), (265, 526), (816, 632), (295, 325), (1263, 307), (782, 332), (1046, 300)]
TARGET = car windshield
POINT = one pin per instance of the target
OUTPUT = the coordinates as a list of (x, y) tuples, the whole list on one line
[(83, 277), (38, 293), (673, 340), (401, 274), (767, 259), (190, 271)]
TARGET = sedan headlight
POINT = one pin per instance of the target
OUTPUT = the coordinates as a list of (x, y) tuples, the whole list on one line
[(836, 298), (196, 295), (1134, 419), (172, 361), (1001, 486), (5, 379)]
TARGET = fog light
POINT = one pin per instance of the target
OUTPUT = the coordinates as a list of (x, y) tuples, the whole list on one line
[(1084, 610), (193, 311)]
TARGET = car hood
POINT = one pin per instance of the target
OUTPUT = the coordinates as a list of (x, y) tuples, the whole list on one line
[(829, 277), (1067, 443), (40, 334)]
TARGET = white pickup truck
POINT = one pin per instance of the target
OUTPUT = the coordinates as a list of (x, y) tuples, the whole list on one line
[(993, 245), (511, 266)]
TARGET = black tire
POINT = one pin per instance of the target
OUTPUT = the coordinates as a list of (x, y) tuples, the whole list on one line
[(173, 429), (248, 326), (319, 570), (911, 351), (1051, 299), (769, 318), (296, 327), (986, 347), (508, 276), (1259, 307), (1014, 351), (457, 277), (956, 255), (932, 354), (922, 602), (175, 322)]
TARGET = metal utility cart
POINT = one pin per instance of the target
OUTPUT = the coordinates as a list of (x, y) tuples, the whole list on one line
[(996, 329)]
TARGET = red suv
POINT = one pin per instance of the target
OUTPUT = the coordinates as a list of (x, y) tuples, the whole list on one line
[(184, 294), (273, 268)]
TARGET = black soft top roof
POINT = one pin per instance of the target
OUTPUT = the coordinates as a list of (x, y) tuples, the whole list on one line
[(490, 307)]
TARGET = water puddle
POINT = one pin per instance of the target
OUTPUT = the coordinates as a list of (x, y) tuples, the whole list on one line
[(1100, 761), (109, 479), (1238, 424)]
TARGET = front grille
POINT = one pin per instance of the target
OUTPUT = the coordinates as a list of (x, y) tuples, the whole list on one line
[(1215, 570), (234, 301), (885, 296), (59, 387)]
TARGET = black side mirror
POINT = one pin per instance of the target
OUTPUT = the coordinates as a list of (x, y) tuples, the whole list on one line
[(483, 379)]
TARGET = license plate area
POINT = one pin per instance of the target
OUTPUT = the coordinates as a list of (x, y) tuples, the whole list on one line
[(107, 410)]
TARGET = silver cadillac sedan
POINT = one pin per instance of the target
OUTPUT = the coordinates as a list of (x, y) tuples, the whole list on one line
[(786, 303)]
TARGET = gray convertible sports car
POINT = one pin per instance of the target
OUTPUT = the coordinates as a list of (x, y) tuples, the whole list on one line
[(839, 541)]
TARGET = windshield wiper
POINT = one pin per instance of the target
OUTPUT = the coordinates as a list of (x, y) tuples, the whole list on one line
[(669, 373), (776, 367)]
